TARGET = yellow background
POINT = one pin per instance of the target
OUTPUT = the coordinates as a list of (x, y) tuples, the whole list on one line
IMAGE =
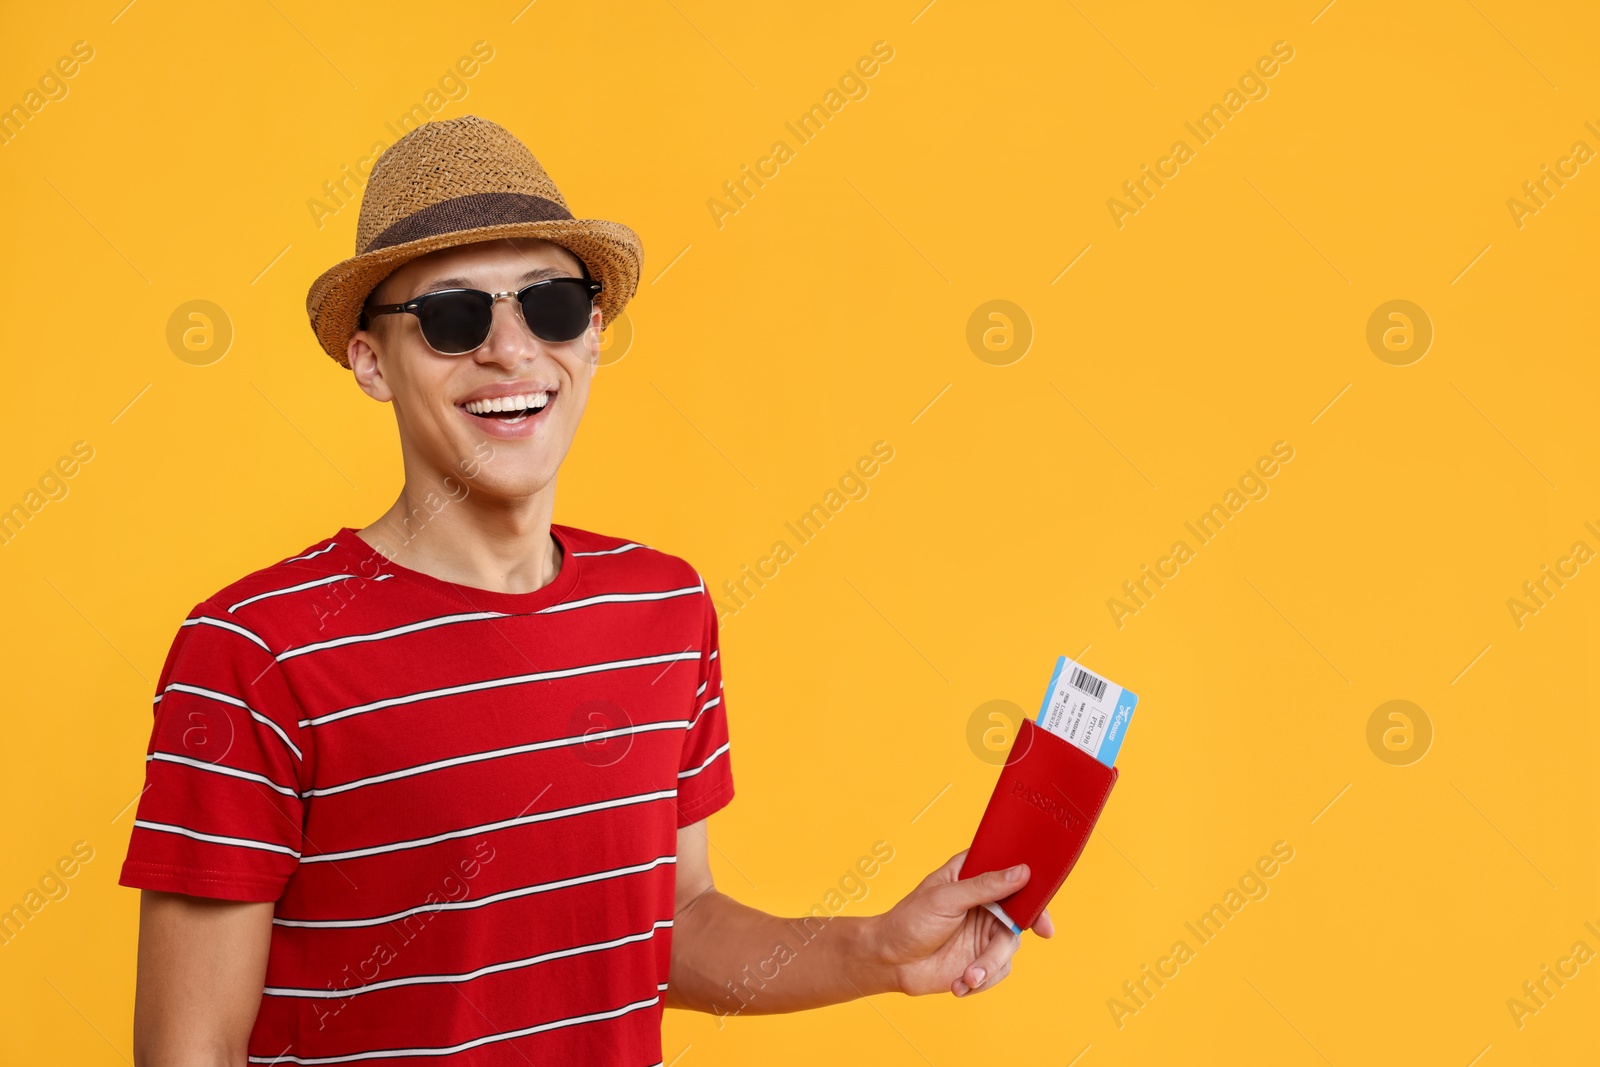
[(770, 353)]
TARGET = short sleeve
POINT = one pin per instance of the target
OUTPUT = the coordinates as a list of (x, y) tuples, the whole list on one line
[(705, 775), (221, 811)]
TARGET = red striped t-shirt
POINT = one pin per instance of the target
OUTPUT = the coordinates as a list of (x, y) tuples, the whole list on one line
[(464, 802)]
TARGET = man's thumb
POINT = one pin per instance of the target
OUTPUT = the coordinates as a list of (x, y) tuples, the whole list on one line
[(988, 887)]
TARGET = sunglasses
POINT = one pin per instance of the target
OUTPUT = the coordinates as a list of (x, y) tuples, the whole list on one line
[(457, 321)]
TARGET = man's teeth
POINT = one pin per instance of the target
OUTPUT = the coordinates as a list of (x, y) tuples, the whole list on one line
[(529, 401)]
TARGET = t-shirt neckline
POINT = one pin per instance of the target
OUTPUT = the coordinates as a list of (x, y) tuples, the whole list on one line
[(482, 599)]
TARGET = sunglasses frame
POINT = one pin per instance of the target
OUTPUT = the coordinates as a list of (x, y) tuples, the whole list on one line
[(415, 305)]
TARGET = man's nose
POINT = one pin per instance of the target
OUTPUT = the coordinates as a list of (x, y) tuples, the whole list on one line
[(510, 342)]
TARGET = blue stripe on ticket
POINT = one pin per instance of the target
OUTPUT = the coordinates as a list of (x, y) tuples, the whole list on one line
[(1061, 661), (1117, 729)]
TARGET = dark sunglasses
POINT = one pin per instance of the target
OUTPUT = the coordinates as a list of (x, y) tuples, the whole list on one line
[(457, 321)]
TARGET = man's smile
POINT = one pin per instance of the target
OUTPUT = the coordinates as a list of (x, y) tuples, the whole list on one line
[(509, 409)]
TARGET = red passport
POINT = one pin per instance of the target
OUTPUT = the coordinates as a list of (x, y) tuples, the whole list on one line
[(1041, 813)]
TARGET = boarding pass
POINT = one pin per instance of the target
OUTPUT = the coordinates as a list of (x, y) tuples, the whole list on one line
[(1087, 710)]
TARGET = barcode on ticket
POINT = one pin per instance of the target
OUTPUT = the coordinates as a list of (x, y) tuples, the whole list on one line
[(1088, 683)]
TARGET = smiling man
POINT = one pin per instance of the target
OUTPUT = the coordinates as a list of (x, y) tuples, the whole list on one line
[(436, 789)]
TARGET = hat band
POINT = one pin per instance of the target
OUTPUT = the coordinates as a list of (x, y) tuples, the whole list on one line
[(466, 213)]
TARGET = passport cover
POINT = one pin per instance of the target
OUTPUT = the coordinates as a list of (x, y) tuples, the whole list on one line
[(1041, 813)]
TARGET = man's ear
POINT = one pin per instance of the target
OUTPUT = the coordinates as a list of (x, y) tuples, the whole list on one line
[(592, 340), (364, 365)]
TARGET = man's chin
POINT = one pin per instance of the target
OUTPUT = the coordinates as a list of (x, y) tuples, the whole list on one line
[(483, 460), (508, 487)]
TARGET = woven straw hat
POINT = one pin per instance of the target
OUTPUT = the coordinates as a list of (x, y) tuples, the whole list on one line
[(452, 183)]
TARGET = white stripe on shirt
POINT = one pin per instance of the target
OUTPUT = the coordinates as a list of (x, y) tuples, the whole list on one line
[(479, 902), (476, 616), (629, 547), (515, 750), (212, 694), (621, 598), (312, 584), (468, 976), (506, 1035), (217, 768), (216, 839), (709, 760), (379, 635), (206, 620), (310, 555), (503, 824), (496, 683), (707, 706)]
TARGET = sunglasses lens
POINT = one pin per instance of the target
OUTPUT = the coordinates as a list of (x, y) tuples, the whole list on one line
[(557, 310), (454, 323)]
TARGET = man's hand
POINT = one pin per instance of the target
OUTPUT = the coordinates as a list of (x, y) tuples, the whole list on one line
[(940, 937)]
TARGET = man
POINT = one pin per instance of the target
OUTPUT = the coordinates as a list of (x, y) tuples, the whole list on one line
[(436, 789)]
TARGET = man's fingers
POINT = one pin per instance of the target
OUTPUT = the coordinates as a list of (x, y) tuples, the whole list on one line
[(981, 889), (992, 964), (1043, 926), (947, 872), (995, 979)]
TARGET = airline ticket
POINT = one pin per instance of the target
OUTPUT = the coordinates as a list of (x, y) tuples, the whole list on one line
[(1088, 710)]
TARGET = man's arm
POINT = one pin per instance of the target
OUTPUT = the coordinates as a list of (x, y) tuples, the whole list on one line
[(202, 965), (730, 959)]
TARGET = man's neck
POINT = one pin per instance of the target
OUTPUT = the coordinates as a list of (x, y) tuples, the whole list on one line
[(504, 548)]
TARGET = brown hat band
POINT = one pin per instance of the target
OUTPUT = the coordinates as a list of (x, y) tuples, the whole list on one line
[(468, 212)]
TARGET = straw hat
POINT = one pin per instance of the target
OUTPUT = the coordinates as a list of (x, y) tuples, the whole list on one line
[(452, 183)]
